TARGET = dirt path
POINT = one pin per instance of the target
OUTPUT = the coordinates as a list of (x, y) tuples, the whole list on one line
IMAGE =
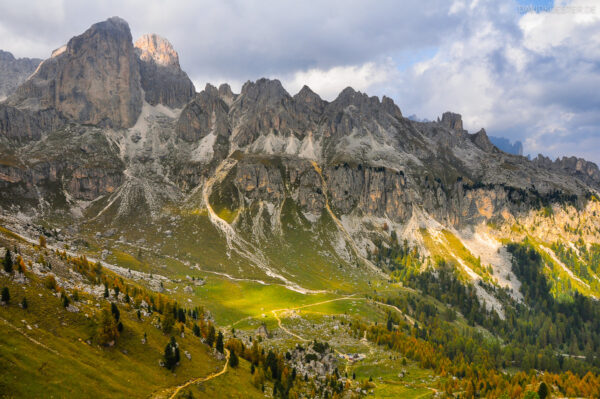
[(178, 389), (345, 356), (275, 311), (35, 341), (407, 317)]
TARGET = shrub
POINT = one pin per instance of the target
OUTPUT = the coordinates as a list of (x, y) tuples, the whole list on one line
[(50, 282)]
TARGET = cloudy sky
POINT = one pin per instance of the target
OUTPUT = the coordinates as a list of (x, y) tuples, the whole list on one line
[(524, 69)]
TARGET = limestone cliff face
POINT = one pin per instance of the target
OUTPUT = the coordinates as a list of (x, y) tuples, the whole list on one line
[(355, 156), (93, 80), (23, 125), (162, 79), (14, 71), (373, 161)]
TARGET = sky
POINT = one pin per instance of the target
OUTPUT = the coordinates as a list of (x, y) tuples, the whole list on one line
[(526, 70)]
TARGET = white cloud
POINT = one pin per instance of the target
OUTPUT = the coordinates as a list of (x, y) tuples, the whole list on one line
[(330, 82), (529, 77)]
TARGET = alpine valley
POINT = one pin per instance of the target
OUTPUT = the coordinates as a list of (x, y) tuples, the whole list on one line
[(162, 242)]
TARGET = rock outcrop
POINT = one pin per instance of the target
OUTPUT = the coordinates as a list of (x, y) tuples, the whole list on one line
[(482, 141), (94, 79), (14, 71), (577, 167), (162, 79), (452, 121)]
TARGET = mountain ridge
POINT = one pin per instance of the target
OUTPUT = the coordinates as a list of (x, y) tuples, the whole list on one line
[(356, 161)]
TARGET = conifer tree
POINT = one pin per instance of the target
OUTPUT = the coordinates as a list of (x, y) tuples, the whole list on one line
[(219, 344), (24, 304), (543, 390), (5, 295), (115, 311), (210, 338), (171, 354), (65, 300), (233, 359), (8, 262)]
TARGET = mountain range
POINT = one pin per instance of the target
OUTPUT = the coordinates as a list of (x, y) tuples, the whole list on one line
[(108, 149)]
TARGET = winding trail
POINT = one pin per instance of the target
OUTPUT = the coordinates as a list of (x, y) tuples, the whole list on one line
[(195, 380)]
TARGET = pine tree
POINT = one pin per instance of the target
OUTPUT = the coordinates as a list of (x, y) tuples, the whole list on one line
[(219, 345), (196, 330), (115, 311), (233, 359), (171, 354), (139, 314), (106, 291), (5, 295), (65, 300), (210, 338), (24, 304), (543, 391), (8, 262), (120, 327)]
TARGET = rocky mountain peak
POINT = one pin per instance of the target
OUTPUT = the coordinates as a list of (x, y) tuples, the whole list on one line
[(452, 121), (163, 81), (115, 30), (14, 71), (95, 80), (306, 99), (226, 94), (307, 96), (349, 96), (6, 56), (482, 140), (264, 88), (152, 47), (390, 107)]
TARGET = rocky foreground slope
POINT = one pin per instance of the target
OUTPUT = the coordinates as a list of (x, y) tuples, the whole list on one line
[(106, 129)]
